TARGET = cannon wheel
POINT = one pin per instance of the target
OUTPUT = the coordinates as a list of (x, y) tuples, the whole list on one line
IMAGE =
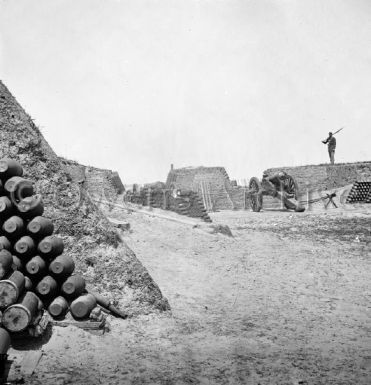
[(292, 187), (256, 200)]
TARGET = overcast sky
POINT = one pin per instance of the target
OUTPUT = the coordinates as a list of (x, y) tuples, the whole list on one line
[(246, 84)]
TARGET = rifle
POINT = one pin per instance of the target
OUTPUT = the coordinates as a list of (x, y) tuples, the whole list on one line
[(338, 131), (324, 141)]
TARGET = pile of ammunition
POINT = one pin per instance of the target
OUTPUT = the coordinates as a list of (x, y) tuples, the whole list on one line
[(34, 273), (360, 192)]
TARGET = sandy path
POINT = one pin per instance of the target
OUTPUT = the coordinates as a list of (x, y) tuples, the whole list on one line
[(264, 307)]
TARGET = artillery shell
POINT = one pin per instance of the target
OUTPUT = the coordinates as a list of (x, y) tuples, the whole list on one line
[(20, 315), (25, 247), (17, 263), (11, 289), (5, 243), (6, 261), (51, 247), (18, 188), (73, 286), (59, 307), (6, 207), (36, 266), (10, 168), (62, 267), (40, 227), (47, 287), (30, 207), (14, 227), (28, 284), (83, 305)]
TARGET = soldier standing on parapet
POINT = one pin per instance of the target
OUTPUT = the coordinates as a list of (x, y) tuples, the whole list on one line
[(331, 145)]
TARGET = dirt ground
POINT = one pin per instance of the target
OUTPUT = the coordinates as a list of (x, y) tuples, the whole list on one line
[(286, 300)]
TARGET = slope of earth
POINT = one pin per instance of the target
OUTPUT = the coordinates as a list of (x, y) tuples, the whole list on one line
[(272, 305), (109, 266)]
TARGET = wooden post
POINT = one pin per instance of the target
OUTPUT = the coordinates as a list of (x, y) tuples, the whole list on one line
[(210, 203), (203, 194), (165, 197), (244, 194), (149, 193)]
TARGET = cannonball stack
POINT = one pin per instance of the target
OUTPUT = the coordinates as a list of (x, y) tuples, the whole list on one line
[(34, 273), (360, 192)]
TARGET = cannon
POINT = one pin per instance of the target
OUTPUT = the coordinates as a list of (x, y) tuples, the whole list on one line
[(288, 192)]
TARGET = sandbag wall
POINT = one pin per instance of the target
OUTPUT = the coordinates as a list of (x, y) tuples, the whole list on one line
[(187, 203), (35, 274)]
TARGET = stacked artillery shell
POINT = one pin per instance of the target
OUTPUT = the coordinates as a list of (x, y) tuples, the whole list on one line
[(82, 306), (6, 262), (19, 316), (360, 192), (73, 286), (11, 288), (34, 272), (58, 307)]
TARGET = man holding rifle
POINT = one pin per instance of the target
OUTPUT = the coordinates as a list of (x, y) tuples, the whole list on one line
[(331, 145)]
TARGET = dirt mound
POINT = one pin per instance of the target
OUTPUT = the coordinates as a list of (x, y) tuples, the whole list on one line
[(107, 264)]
